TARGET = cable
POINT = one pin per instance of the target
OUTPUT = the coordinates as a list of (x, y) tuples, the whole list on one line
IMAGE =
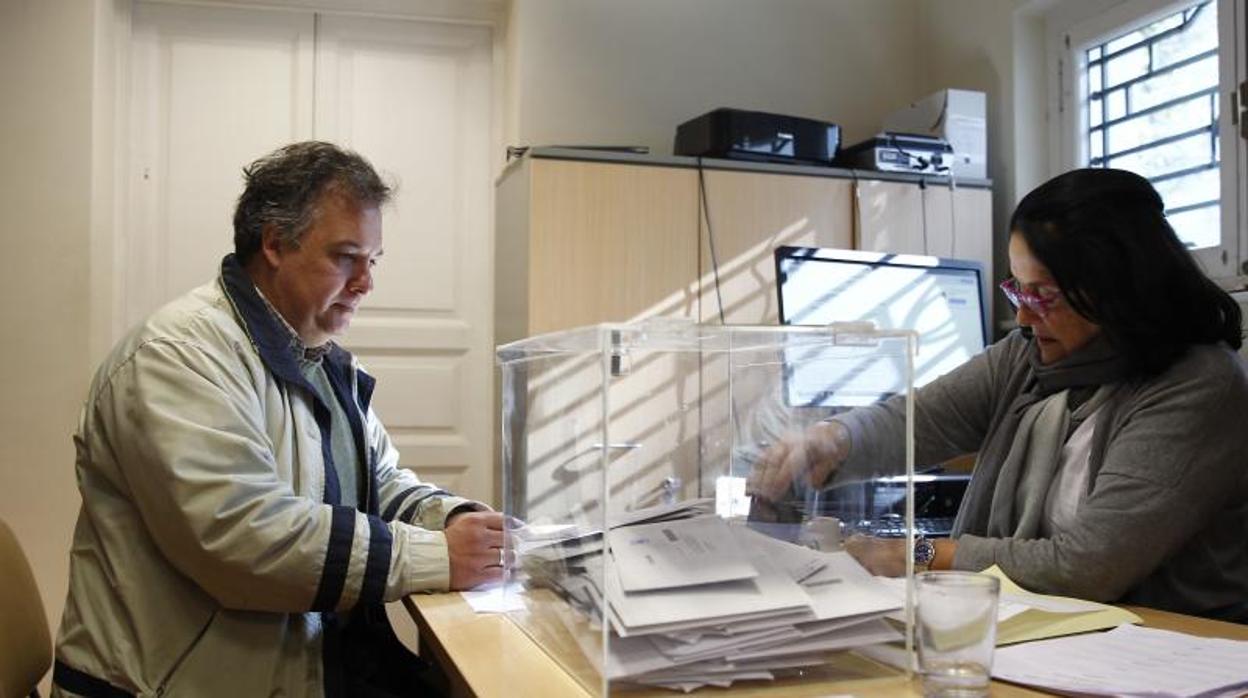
[(710, 238), (923, 211), (953, 215), (891, 139), (855, 223)]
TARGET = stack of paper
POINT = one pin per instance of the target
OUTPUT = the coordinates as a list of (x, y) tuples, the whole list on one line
[(699, 601), (1129, 661)]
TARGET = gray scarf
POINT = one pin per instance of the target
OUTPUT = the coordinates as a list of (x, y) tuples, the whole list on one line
[(1023, 450)]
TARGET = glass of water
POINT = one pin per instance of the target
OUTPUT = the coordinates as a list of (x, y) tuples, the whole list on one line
[(957, 626)]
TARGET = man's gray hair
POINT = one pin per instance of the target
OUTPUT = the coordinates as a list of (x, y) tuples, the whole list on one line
[(284, 188)]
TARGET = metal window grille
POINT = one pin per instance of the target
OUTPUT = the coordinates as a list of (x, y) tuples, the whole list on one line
[(1152, 108)]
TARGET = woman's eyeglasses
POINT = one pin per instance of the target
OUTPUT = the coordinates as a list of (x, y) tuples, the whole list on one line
[(1040, 301)]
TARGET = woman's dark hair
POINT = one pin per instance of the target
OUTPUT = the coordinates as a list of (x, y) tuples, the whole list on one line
[(284, 187), (1104, 237)]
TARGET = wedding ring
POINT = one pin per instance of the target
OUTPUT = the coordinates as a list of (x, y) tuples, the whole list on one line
[(502, 558)]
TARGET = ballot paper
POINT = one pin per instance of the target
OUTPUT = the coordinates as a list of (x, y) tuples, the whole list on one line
[(1128, 661), (838, 588), (664, 512), (674, 554), (495, 598), (553, 542), (770, 592)]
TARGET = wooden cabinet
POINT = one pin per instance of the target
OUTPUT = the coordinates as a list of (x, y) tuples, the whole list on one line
[(584, 237), (581, 242), (932, 219), (748, 215)]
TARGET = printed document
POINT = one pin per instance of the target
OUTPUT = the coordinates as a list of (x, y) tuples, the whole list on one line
[(1128, 661), (673, 554)]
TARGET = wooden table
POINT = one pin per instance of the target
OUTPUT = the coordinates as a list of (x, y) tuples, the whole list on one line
[(488, 655)]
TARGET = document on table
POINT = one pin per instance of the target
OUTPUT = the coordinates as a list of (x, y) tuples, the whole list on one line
[(1023, 616), (1042, 616), (1128, 661), (495, 598)]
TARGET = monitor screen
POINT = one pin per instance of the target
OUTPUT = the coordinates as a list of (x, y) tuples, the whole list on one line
[(942, 299)]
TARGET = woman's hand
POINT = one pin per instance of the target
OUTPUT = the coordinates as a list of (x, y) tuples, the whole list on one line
[(813, 455), (886, 557)]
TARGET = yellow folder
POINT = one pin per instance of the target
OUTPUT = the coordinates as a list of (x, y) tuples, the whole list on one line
[(1052, 616)]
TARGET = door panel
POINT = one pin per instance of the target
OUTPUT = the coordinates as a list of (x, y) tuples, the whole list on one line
[(415, 98), (212, 89)]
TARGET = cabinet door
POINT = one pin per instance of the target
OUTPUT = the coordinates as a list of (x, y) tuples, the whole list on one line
[(610, 243), (750, 215), (903, 218), (607, 242), (906, 218)]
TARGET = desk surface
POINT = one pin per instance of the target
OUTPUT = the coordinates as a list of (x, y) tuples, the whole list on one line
[(470, 646)]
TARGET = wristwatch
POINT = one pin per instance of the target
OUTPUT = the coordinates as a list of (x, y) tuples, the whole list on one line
[(924, 553)]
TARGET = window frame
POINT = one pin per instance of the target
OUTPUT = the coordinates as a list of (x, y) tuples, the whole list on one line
[(1075, 26)]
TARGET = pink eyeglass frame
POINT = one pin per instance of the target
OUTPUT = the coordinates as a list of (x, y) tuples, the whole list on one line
[(1037, 303)]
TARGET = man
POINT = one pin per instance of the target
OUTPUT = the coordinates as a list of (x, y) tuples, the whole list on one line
[(243, 513)]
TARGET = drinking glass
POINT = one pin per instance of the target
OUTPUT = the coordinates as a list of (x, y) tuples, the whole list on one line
[(956, 623)]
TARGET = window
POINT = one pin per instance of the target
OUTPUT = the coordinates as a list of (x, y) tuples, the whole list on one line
[(1146, 86), (1152, 97)]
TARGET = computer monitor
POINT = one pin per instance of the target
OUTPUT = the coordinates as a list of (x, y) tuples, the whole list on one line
[(943, 299)]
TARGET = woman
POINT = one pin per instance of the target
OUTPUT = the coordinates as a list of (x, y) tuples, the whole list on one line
[(1111, 428)]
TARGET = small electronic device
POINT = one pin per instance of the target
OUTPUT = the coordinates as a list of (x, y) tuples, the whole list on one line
[(899, 152), (958, 116), (942, 299), (759, 136)]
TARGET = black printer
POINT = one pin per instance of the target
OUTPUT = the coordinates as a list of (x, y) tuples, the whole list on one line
[(753, 135)]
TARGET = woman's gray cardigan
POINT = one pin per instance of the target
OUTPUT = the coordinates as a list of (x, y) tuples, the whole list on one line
[(1165, 519)]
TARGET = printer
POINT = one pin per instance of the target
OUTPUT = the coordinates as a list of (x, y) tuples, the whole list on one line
[(955, 116), (753, 135)]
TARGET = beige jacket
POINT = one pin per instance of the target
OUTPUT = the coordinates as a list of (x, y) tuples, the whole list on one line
[(210, 554)]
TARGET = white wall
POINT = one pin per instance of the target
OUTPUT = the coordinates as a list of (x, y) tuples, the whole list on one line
[(971, 44), (45, 194), (626, 73)]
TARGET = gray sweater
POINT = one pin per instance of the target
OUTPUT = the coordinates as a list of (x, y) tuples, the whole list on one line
[(1165, 519)]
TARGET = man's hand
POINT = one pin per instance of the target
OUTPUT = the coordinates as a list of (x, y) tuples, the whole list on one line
[(813, 455), (474, 541)]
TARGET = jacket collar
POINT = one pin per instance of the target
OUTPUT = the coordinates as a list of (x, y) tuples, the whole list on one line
[(272, 337), (271, 340)]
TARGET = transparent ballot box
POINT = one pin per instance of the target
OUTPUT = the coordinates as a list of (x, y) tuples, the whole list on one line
[(672, 521)]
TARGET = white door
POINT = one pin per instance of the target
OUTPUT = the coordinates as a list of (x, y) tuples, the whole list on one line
[(213, 88), (415, 97)]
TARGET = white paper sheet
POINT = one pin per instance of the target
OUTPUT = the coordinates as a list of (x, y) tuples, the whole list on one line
[(673, 554), (495, 598), (1130, 661)]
